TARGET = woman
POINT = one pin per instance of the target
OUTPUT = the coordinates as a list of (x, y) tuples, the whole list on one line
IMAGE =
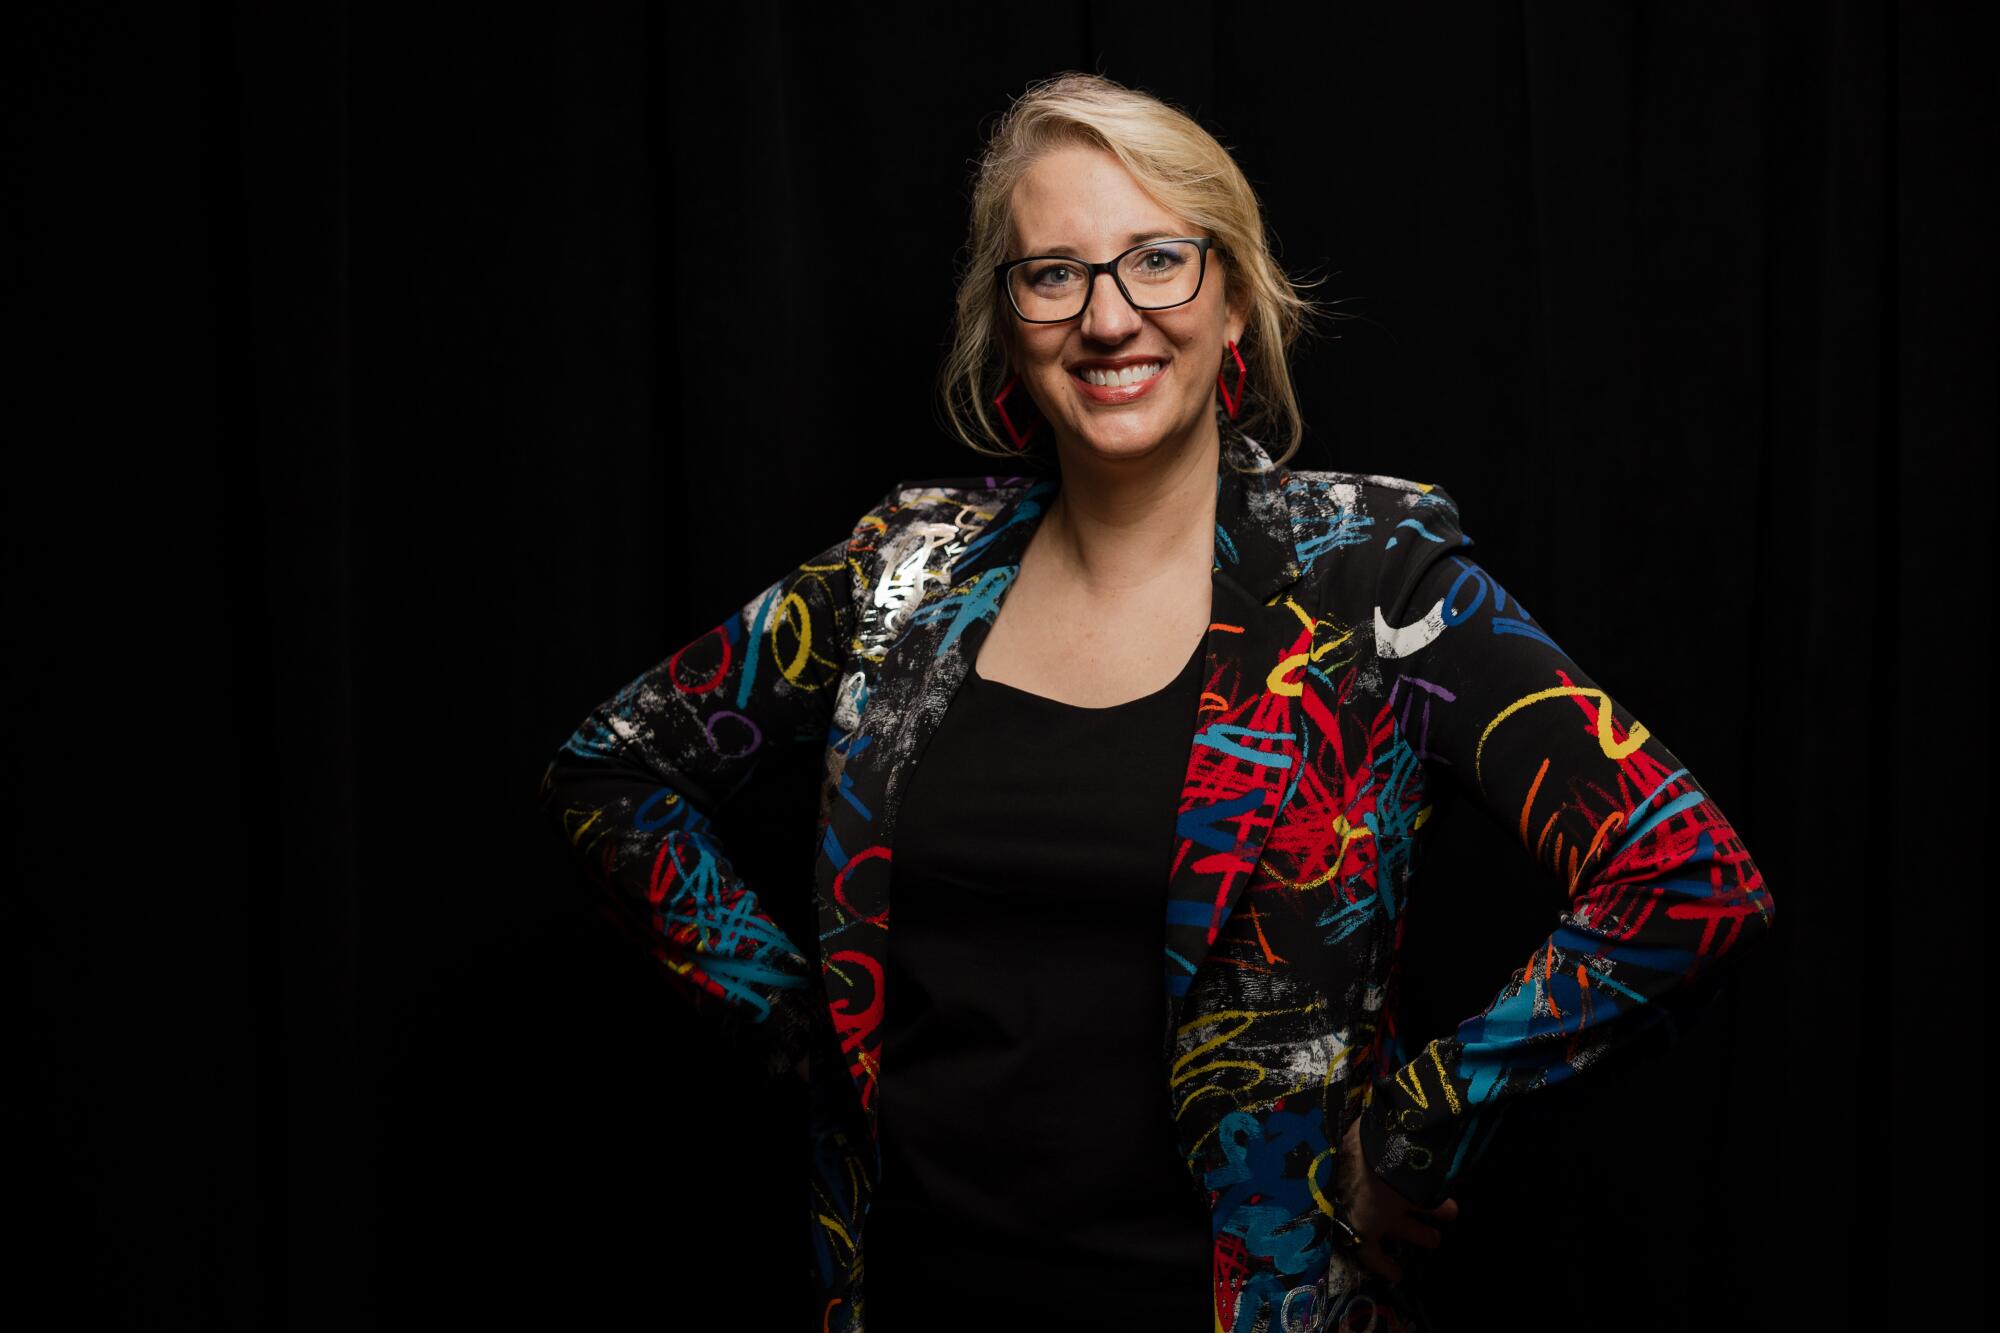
[(1170, 662)]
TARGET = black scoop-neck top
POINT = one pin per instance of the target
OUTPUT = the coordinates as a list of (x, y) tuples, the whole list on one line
[(1028, 1156)]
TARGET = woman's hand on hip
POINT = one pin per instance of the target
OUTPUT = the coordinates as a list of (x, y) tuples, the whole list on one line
[(1379, 1215)]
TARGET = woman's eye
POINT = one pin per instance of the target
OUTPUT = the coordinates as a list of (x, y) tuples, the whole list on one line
[(1049, 277)]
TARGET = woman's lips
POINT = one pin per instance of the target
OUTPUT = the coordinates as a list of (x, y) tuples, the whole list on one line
[(1124, 393)]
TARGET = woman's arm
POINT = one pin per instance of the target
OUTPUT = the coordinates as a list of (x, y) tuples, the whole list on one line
[(1658, 888), (634, 788)]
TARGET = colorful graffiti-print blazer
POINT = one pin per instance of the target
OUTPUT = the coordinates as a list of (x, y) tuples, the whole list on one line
[(1360, 668)]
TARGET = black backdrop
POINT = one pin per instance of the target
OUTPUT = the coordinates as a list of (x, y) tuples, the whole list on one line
[(385, 357)]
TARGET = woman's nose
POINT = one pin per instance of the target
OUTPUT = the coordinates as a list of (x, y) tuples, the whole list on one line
[(1110, 317)]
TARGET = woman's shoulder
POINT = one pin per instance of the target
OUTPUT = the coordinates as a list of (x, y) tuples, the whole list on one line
[(1358, 531), (1369, 492)]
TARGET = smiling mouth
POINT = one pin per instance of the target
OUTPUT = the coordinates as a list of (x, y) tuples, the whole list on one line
[(1121, 377)]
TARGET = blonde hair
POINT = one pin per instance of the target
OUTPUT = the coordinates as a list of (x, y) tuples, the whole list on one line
[(1189, 172)]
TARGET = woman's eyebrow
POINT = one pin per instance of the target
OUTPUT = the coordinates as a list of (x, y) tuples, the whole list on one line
[(1131, 240)]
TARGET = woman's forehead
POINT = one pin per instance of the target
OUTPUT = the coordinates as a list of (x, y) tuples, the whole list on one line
[(1078, 200)]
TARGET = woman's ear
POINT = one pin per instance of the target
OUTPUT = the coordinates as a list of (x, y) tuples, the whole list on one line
[(1238, 321), (1236, 316)]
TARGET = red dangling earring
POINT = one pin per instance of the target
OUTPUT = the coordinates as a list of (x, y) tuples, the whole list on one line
[(1019, 437), (1235, 400)]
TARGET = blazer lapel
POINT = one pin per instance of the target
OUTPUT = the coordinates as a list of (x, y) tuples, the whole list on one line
[(1243, 756), (940, 588)]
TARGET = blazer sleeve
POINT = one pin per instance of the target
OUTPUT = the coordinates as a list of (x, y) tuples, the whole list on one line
[(635, 787), (1656, 888)]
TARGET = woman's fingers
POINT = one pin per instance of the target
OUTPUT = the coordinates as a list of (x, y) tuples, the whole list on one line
[(1404, 1224), (1376, 1260), (1444, 1212), (1413, 1230), (1381, 1215), (1417, 1225)]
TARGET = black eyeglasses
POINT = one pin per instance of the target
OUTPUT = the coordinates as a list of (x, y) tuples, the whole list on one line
[(1048, 289)]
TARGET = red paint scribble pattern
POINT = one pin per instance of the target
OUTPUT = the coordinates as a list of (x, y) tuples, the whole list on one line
[(1359, 668), (1659, 889)]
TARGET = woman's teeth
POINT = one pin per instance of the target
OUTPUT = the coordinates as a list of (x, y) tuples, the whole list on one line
[(1111, 379)]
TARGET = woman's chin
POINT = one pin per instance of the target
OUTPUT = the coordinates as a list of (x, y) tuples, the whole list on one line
[(1124, 434)]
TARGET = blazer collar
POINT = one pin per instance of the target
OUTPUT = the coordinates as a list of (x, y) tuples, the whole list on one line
[(1244, 742)]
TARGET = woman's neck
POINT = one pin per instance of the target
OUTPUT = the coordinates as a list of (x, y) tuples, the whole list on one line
[(1120, 524)]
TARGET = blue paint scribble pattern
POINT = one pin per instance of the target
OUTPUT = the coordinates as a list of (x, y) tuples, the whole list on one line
[(1361, 670)]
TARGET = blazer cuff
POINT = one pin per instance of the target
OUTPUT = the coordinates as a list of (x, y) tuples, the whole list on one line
[(1416, 1150)]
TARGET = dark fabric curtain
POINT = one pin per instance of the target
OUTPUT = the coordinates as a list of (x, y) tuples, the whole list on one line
[(404, 379)]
